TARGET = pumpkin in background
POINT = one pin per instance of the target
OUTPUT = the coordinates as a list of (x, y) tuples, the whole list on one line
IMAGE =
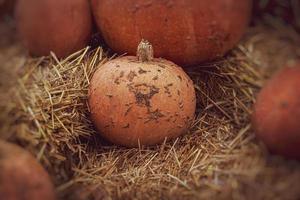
[(21, 176), (61, 26), (276, 117), (186, 32)]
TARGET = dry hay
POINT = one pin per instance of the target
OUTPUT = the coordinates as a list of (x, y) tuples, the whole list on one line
[(218, 159)]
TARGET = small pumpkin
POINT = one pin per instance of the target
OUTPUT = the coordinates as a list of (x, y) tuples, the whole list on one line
[(277, 113), (141, 100), (61, 26), (187, 32)]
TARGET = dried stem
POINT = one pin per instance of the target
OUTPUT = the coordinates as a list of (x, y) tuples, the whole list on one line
[(145, 51)]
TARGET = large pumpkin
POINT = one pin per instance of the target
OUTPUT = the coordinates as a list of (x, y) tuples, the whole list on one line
[(184, 31)]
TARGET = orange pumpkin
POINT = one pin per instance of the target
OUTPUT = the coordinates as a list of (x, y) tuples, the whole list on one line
[(21, 176), (277, 113), (61, 26), (141, 100), (187, 32)]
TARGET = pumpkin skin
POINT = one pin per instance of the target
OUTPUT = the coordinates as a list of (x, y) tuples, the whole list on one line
[(277, 113), (134, 102), (61, 26), (185, 32), (21, 176)]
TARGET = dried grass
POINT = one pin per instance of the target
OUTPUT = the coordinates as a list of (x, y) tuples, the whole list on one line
[(219, 158)]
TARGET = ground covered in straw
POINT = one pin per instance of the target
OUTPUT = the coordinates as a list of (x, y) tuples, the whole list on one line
[(44, 109)]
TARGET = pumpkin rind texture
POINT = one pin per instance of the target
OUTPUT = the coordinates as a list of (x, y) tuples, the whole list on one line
[(276, 117), (186, 32), (21, 176), (134, 102), (61, 26)]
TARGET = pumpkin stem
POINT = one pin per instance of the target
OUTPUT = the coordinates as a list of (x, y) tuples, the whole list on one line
[(144, 51)]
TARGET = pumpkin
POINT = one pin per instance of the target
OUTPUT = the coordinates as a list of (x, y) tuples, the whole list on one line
[(21, 176), (141, 100), (186, 32), (61, 26), (277, 113)]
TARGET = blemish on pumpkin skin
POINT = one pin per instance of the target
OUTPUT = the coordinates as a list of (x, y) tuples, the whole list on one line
[(167, 89), (168, 3), (180, 78), (154, 115), (142, 71), (181, 105), (155, 78), (131, 76), (129, 104), (161, 66), (188, 120), (284, 105), (169, 118), (126, 126), (143, 93), (127, 111), (117, 80)]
